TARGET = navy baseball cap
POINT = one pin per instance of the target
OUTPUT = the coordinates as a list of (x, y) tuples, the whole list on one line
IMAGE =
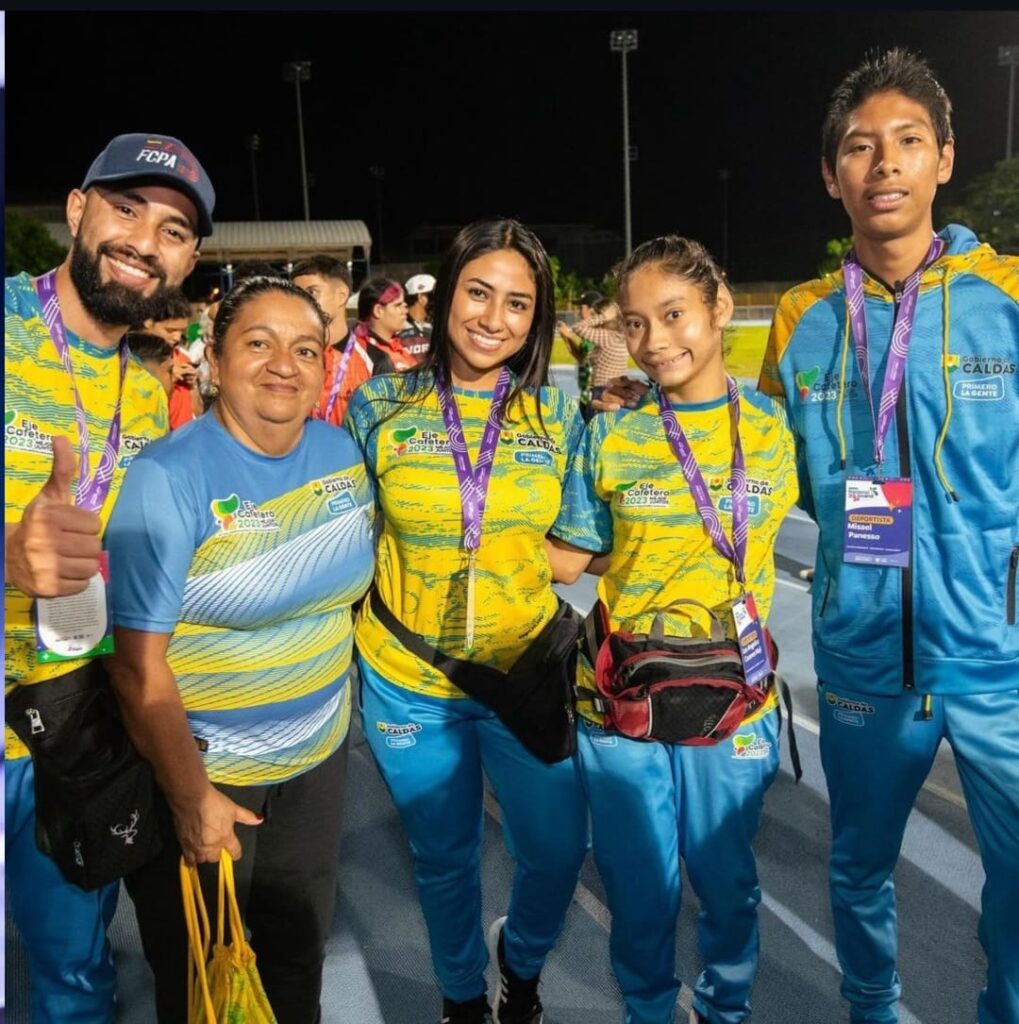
[(156, 156)]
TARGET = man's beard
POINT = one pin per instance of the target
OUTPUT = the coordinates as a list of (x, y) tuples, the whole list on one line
[(111, 302)]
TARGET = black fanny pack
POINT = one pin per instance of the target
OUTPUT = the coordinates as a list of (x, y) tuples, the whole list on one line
[(534, 700), (94, 793)]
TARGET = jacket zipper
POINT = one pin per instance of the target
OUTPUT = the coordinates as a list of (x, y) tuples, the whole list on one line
[(905, 470), (1013, 565)]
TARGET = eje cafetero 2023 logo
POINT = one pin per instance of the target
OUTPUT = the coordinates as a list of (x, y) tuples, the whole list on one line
[(234, 515)]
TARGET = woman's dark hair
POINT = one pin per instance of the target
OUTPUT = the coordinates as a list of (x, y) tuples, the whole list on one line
[(372, 292), (680, 256), (530, 364), (250, 288), (896, 70)]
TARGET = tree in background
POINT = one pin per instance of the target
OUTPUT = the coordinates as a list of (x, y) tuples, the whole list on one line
[(569, 285), (990, 206), (28, 246), (834, 252)]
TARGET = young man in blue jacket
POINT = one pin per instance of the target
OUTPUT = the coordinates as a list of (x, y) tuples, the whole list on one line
[(900, 377)]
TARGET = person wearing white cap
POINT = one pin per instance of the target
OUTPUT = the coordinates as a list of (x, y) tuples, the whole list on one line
[(416, 337)]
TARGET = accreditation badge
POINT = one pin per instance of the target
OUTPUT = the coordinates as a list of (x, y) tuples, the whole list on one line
[(753, 647), (76, 626), (878, 521)]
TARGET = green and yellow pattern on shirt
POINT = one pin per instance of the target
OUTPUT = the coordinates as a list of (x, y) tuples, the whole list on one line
[(422, 568), (38, 403), (626, 494)]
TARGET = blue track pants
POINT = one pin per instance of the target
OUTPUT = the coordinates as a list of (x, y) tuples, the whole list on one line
[(877, 752), (652, 803), (431, 753), (63, 927)]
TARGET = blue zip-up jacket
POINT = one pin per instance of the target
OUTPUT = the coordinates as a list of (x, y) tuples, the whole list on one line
[(947, 624)]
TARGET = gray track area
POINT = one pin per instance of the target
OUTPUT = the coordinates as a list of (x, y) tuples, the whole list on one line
[(378, 968)]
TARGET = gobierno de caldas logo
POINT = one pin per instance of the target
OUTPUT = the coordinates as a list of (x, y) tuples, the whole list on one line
[(979, 378)]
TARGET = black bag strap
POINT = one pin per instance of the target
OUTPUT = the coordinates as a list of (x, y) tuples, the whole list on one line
[(794, 751)]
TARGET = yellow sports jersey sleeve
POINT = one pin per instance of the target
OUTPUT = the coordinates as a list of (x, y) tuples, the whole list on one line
[(422, 568), (627, 493), (38, 403)]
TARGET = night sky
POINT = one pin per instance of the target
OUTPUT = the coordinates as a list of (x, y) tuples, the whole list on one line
[(473, 114)]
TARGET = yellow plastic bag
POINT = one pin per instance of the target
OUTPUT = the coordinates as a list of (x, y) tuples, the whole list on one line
[(225, 989)]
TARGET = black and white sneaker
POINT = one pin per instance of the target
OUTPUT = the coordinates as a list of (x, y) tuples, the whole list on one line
[(516, 999), (474, 1011)]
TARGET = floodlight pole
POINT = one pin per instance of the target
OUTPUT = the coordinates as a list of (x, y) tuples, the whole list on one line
[(624, 41), (1008, 56), (298, 71)]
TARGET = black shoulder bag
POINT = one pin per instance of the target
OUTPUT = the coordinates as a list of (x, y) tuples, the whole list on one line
[(534, 699), (94, 793)]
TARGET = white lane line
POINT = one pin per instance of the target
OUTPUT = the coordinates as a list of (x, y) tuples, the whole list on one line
[(818, 944), (798, 515), (792, 585)]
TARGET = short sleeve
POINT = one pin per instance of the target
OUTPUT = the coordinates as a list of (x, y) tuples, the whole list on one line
[(585, 519), (151, 543)]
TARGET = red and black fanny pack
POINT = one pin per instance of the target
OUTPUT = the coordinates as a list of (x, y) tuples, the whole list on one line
[(686, 690)]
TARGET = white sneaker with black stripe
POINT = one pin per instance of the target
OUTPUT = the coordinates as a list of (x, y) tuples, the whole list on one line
[(516, 999)]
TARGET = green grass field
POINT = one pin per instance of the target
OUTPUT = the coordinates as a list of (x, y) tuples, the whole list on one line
[(745, 351)]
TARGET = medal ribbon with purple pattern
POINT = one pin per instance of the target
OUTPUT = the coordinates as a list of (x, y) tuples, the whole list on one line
[(473, 481), (92, 489), (736, 549), (338, 374), (902, 333)]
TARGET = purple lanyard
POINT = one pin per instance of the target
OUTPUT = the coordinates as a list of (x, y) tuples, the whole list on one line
[(736, 550), (92, 490), (338, 375), (473, 482), (902, 333)]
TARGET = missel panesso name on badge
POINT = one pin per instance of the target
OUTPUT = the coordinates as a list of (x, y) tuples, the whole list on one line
[(879, 516), (753, 648), (76, 626)]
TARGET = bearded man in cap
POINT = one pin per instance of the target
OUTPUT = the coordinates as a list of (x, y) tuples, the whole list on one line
[(77, 410)]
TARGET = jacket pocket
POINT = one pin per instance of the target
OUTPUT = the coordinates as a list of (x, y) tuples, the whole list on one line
[(1013, 564)]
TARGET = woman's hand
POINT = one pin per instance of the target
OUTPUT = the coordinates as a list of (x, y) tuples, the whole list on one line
[(206, 826), (621, 391)]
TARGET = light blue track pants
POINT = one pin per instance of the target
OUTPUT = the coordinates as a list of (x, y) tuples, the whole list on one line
[(877, 752), (63, 927), (652, 803), (431, 753)]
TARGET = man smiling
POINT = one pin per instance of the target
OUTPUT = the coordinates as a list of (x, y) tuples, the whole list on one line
[(70, 390)]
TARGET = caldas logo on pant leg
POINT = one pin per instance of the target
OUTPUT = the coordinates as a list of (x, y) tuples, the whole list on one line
[(399, 736)]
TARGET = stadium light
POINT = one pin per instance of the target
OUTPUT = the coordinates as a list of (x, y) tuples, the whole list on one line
[(624, 41), (298, 71), (1008, 56)]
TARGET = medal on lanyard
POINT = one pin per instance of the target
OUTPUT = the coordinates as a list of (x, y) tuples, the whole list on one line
[(473, 481), (878, 509), (78, 626), (749, 630), (338, 375)]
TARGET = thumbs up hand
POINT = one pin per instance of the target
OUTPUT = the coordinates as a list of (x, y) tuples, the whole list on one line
[(54, 550)]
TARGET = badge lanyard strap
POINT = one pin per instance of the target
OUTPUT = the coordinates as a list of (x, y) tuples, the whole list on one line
[(902, 334), (338, 375), (92, 490), (473, 481), (735, 551)]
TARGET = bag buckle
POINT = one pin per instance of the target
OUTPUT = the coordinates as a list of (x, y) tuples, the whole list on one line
[(35, 721)]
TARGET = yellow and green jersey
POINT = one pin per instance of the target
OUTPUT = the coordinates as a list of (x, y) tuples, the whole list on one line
[(422, 567), (626, 495), (38, 403)]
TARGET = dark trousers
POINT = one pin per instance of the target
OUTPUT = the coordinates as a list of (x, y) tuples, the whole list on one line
[(286, 890)]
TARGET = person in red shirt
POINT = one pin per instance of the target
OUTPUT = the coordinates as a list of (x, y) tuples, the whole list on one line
[(185, 401), (382, 314)]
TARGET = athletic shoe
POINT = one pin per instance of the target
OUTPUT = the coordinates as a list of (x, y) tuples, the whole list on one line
[(474, 1011), (516, 999)]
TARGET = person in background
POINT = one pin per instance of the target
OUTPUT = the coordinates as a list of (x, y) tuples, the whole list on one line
[(417, 335), (600, 345), (156, 354), (136, 224), (382, 314), (348, 365), (172, 325)]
